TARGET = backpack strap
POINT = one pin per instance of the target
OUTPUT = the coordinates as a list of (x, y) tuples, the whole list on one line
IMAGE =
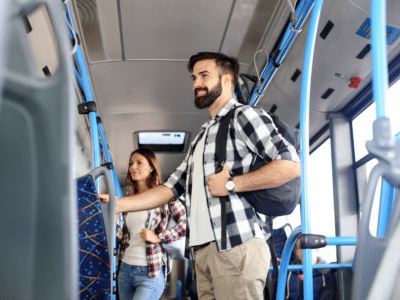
[(221, 138), (220, 158), (271, 245)]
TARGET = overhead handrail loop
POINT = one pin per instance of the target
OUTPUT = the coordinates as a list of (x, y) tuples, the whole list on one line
[(302, 11)]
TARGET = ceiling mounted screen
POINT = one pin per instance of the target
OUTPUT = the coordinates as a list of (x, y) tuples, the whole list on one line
[(162, 141)]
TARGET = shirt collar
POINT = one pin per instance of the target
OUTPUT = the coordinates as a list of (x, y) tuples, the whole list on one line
[(228, 106), (224, 110)]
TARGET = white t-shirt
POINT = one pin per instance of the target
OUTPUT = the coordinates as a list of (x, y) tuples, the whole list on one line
[(199, 221), (135, 254)]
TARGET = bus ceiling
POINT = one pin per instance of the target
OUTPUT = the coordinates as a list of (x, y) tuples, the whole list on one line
[(137, 54)]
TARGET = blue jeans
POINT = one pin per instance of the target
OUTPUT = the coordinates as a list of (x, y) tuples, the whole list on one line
[(134, 283)]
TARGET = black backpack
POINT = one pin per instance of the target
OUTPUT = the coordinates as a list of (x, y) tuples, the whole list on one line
[(274, 202), (279, 201)]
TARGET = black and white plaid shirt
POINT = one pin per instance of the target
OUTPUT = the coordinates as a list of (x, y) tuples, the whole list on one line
[(253, 133)]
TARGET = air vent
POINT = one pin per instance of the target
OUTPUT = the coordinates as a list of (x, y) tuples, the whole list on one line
[(162, 141), (91, 31), (327, 29), (327, 93), (364, 51), (295, 75), (28, 26), (273, 109)]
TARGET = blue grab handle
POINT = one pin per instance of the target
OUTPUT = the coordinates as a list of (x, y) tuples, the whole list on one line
[(287, 251)]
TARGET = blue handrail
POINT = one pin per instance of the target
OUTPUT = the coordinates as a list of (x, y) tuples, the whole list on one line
[(302, 11), (304, 142), (380, 84), (315, 267), (87, 91), (388, 194), (342, 240), (380, 79), (92, 115), (117, 186), (80, 82), (287, 251)]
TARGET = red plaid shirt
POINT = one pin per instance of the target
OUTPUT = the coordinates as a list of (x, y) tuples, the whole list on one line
[(156, 258)]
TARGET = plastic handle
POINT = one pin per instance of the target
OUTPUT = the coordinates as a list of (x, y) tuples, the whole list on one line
[(110, 206), (103, 171)]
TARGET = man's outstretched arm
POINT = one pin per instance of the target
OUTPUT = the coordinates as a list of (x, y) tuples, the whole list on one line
[(149, 199)]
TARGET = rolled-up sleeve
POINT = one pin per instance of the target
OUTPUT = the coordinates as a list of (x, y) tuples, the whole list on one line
[(177, 180)]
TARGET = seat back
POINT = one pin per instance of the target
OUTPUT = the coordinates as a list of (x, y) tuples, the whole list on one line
[(96, 237), (37, 206)]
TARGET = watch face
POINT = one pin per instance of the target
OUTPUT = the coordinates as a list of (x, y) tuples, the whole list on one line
[(230, 185)]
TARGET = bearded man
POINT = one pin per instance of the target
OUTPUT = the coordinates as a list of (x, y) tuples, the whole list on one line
[(237, 268)]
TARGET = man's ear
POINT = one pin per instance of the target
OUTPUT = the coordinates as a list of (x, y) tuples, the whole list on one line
[(227, 79)]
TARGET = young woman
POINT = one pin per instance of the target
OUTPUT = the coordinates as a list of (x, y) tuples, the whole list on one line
[(142, 270)]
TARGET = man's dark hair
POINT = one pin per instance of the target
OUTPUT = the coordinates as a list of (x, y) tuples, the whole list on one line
[(226, 64)]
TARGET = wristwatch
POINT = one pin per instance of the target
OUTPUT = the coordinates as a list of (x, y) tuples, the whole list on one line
[(230, 185)]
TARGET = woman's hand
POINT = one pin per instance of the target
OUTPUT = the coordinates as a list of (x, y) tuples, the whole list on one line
[(149, 236), (104, 198)]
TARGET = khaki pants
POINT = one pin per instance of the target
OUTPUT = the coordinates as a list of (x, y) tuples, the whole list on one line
[(238, 273)]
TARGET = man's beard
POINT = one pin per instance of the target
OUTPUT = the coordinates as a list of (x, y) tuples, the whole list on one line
[(209, 98)]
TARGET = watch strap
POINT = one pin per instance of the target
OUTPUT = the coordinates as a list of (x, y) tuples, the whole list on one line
[(231, 179)]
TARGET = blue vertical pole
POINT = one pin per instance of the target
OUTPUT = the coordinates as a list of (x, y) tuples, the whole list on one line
[(380, 79), (388, 194), (304, 142), (117, 186)]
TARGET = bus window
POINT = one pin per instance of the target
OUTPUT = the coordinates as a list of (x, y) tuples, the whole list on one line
[(320, 193), (321, 197), (362, 132)]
